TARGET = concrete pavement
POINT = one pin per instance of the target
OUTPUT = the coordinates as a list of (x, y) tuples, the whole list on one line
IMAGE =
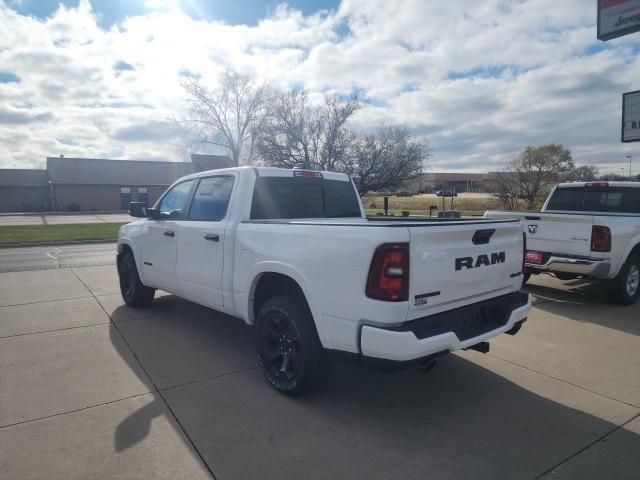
[(90, 388)]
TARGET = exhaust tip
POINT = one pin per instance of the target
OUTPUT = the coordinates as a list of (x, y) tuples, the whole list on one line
[(516, 328), (482, 347)]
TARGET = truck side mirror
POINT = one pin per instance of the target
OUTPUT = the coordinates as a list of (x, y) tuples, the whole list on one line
[(138, 209)]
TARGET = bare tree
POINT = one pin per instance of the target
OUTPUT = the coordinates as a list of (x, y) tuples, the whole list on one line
[(505, 186), (297, 131), (531, 172), (229, 115), (584, 173), (384, 161)]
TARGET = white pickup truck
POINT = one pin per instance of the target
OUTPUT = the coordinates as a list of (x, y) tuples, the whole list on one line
[(588, 229), (292, 253)]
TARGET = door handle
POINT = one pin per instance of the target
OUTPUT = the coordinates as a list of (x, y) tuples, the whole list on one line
[(214, 237), (169, 233)]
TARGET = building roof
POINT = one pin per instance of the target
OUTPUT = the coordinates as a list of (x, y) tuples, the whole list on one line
[(102, 171), (16, 177), (94, 171)]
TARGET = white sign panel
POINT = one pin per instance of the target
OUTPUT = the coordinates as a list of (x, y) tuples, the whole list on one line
[(617, 18), (631, 116)]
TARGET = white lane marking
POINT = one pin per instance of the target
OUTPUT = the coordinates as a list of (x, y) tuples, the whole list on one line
[(55, 255)]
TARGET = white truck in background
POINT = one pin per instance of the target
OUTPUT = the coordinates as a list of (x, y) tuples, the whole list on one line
[(292, 253), (586, 229)]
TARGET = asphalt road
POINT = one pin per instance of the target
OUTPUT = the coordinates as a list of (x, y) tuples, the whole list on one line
[(63, 256)]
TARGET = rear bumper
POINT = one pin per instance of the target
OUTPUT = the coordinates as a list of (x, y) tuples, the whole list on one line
[(425, 337), (553, 262)]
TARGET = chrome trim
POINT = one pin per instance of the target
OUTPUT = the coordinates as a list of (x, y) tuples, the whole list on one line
[(596, 267)]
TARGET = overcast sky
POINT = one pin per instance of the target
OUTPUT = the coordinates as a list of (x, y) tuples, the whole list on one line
[(480, 79)]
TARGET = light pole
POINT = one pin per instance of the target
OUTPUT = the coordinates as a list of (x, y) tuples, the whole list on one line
[(622, 170), (629, 158)]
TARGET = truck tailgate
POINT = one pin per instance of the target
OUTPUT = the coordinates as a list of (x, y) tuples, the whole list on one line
[(456, 265), (562, 233)]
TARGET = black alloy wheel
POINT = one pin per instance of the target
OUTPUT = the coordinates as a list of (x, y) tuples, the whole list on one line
[(289, 351), (134, 293), (280, 347)]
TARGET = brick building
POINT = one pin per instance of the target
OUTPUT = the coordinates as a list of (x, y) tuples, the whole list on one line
[(82, 184), (24, 190)]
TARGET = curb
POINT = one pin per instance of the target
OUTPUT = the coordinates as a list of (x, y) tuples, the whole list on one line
[(53, 244), (52, 213)]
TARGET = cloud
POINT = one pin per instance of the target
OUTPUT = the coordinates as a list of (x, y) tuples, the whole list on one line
[(146, 132), (481, 80), (22, 116)]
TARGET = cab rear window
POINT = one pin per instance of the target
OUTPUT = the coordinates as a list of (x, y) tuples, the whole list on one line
[(581, 199), (302, 197)]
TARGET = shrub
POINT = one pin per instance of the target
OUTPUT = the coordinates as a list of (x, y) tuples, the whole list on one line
[(405, 213), (73, 207)]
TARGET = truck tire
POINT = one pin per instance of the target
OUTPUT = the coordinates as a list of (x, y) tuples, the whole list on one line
[(525, 278), (134, 293), (625, 288), (289, 351)]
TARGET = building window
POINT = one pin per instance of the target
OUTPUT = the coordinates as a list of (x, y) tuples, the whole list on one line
[(143, 195), (125, 198)]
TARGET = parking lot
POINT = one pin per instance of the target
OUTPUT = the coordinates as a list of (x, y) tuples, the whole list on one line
[(92, 389)]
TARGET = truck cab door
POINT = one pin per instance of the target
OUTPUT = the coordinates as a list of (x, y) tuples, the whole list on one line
[(158, 242), (200, 257)]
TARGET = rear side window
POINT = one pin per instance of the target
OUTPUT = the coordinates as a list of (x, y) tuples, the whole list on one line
[(614, 200), (566, 199), (211, 199), (302, 197)]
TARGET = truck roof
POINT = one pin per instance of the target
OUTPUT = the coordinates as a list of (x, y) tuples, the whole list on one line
[(274, 172), (599, 183)]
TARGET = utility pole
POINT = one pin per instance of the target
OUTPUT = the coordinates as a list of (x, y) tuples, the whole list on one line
[(629, 157)]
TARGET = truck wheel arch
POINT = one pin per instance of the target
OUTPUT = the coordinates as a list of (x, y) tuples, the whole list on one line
[(125, 245), (631, 250), (279, 280)]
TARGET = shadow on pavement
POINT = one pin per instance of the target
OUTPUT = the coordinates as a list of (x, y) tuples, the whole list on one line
[(136, 426), (176, 342), (585, 301), (462, 420)]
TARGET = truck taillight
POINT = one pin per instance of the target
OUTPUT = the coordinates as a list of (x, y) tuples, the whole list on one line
[(600, 239), (389, 273), (596, 184), (524, 250)]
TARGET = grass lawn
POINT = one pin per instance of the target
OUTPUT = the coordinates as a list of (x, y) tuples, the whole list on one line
[(10, 235), (371, 212), (420, 205)]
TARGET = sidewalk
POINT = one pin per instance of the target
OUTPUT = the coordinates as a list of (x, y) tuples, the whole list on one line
[(57, 219)]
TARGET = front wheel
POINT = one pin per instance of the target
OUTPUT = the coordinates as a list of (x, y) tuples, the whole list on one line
[(625, 288), (289, 351), (134, 293)]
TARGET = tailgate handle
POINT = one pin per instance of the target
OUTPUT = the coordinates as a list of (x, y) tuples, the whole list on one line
[(532, 218), (481, 237)]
